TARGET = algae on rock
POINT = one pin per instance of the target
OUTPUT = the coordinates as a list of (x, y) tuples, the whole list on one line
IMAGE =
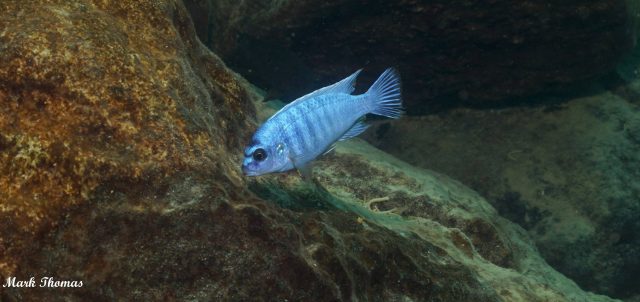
[(566, 171), (94, 92)]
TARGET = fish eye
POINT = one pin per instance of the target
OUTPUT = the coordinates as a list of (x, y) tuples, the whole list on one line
[(259, 154)]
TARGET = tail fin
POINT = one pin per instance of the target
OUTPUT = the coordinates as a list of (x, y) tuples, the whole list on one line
[(385, 95)]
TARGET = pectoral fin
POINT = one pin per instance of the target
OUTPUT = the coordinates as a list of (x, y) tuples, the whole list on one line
[(303, 169), (305, 172)]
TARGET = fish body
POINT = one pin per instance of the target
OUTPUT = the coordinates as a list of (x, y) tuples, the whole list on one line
[(310, 126)]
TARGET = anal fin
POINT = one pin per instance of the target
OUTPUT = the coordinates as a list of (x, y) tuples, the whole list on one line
[(355, 130), (333, 146)]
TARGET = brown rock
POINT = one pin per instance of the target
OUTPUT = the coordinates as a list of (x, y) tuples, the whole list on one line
[(448, 52), (93, 92)]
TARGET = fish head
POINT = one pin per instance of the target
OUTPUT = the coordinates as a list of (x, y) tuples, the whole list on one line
[(261, 158)]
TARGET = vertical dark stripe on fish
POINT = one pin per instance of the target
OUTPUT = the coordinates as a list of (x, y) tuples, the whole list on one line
[(326, 124), (301, 132), (316, 124), (321, 125), (296, 137), (307, 131), (333, 113)]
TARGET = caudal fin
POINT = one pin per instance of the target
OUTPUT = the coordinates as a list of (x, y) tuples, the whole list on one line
[(385, 94)]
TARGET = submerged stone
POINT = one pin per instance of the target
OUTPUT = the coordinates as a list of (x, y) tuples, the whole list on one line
[(104, 92), (565, 171)]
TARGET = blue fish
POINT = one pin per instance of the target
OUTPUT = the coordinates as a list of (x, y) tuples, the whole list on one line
[(311, 125)]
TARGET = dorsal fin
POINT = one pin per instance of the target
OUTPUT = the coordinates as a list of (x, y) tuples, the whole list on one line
[(346, 85)]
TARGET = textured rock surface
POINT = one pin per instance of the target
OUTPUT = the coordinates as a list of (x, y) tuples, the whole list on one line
[(449, 52), (119, 135), (566, 172), (415, 202), (103, 92)]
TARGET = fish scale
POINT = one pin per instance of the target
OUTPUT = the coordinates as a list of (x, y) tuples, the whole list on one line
[(305, 128), (321, 109)]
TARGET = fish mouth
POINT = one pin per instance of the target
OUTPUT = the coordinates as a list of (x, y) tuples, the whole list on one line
[(247, 172)]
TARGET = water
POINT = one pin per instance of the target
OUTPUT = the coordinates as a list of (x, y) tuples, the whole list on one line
[(513, 175)]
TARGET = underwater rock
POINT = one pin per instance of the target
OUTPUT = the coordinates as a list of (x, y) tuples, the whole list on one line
[(448, 52), (120, 144), (100, 92), (416, 203), (566, 171)]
